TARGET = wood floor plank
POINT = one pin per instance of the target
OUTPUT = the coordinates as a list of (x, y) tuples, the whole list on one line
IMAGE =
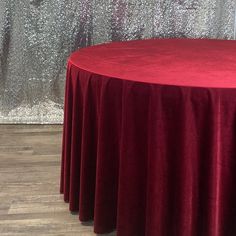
[(30, 203)]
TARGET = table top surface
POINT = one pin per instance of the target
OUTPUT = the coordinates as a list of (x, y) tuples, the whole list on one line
[(181, 62)]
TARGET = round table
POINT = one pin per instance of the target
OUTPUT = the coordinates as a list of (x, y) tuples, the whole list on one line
[(149, 140)]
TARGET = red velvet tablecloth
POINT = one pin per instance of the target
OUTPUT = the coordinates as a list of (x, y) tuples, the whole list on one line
[(149, 143)]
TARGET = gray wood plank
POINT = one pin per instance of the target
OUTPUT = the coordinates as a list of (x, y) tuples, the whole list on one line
[(30, 203)]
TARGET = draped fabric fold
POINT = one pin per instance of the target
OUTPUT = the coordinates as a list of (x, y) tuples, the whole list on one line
[(149, 159)]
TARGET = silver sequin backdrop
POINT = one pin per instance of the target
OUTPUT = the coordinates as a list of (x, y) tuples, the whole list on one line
[(37, 36)]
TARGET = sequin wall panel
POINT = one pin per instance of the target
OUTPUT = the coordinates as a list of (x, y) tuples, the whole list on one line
[(37, 36)]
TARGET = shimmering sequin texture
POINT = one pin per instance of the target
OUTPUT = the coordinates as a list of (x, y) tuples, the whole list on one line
[(37, 36)]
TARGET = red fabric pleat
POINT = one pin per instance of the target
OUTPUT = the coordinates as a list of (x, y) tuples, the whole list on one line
[(66, 150), (77, 114), (108, 154)]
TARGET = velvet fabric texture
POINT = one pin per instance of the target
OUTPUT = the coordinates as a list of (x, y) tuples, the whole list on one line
[(149, 140)]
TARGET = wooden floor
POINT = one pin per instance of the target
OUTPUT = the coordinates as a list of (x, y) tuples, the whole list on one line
[(30, 203)]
